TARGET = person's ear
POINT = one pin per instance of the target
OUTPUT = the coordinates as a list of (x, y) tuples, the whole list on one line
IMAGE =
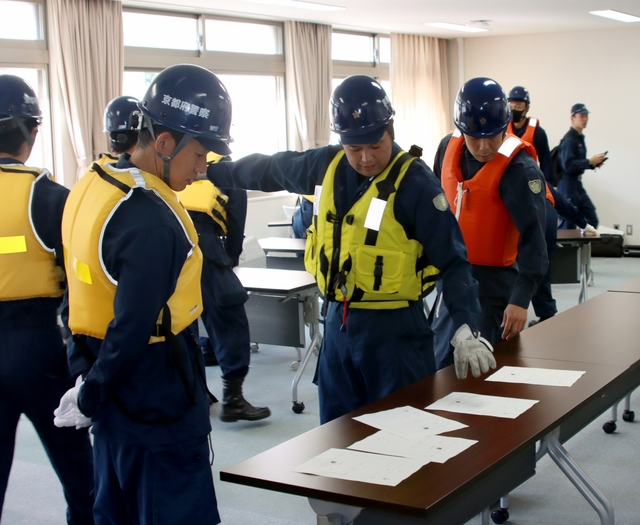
[(164, 143)]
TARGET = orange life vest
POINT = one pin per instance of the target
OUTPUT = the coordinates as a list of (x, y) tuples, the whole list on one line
[(487, 227)]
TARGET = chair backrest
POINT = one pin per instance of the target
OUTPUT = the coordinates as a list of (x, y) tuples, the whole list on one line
[(289, 211), (252, 254)]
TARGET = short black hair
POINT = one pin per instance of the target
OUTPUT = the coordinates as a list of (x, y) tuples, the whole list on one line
[(389, 128), (146, 138), (12, 140), (122, 141)]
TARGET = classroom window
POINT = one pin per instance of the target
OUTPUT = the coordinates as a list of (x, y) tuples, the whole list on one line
[(41, 153), (258, 124), (351, 47), (241, 37), (160, 31), (384, 45), (21, 20)]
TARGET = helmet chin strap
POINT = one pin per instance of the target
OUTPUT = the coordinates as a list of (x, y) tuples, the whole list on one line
[(166, 159), (27, 136)]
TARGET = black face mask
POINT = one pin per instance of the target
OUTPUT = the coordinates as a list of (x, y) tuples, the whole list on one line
[(516, 115)]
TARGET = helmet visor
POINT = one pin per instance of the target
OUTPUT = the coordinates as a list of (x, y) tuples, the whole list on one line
[(368, 138)]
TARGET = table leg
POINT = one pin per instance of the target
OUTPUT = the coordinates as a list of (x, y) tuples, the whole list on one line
[(579, 478), (311, 314), (585, 269)]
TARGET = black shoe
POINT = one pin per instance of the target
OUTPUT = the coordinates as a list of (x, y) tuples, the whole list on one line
[(235, 407)]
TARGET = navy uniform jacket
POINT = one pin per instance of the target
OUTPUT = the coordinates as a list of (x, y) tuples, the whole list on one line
[(563, 207), (541, 143), (48, 202), (437, 231), (519, 281), (572, 154), (144, 249)]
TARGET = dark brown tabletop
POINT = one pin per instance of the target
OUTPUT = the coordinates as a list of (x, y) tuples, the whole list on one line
[(282, 245), (632, 286), (503, 458), (270, 280), (575, 236), (604, 329)]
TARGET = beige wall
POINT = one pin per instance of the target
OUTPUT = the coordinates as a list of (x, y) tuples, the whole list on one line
[(598, 68)]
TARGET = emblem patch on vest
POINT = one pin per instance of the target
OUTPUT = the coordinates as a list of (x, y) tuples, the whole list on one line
[(440, 202), (535, 186)]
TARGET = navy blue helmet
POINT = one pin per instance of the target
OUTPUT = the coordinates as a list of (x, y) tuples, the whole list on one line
[(481, 109), (192, 100), (360, 110)]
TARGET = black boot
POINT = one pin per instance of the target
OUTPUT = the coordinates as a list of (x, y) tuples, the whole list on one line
[(235, 406)]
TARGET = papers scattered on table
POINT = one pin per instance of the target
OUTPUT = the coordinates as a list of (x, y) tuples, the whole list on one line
[(409, 422), (425, 449), (465, 403), (360, 466), (536, 376)]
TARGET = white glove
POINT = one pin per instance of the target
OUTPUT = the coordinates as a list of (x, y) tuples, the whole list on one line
[(471, 351), (589, 230), (68, 414)]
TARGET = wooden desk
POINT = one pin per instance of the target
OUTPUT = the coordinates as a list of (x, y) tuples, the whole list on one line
[(632, 286), (281, 303), (603, 330), (284, 253), (584, 255), (467, 484)]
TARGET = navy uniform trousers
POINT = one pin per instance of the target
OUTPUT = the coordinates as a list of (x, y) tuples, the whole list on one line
[(33, 377), (380, 352)]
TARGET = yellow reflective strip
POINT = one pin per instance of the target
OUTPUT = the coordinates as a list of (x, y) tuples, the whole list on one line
[(82, 271), (15, 244)]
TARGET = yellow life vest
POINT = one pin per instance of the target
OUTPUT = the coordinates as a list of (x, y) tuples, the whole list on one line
[(374, 264), (107, 158), (27, 266), (204, 197), (92, 290)]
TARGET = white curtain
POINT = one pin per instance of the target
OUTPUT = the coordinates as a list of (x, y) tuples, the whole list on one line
[(419, 85), (308, 83), (87, 64)]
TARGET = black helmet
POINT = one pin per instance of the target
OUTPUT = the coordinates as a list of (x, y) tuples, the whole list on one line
[(360, 110), (18, 102), (481, 109)]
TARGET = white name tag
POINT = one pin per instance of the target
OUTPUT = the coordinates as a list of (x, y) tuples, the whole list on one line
[(374, 215), (317, 193)]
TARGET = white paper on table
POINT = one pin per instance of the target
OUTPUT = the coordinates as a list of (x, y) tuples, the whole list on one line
[(409, 422), (466, 403), (360, 466), (536, 376), (426, 449)]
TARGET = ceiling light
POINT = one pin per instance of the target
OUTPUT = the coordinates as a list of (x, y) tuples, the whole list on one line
[(616, 15), (456, 27), (299, 5)]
